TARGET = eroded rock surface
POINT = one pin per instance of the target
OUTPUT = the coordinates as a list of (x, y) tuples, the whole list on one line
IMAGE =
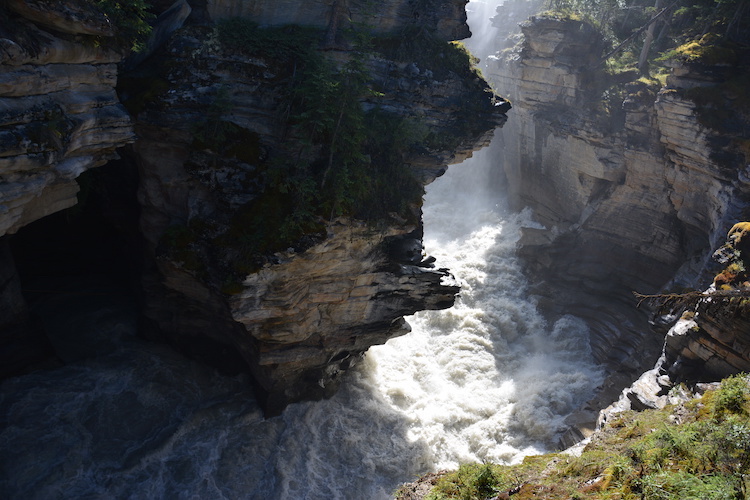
[(60, 113), (60, 116), (632, 193), (214, 131), (223, 280)]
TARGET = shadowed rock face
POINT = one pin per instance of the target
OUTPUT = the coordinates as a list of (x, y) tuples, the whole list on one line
[(709, 342), (295, 317), (446, 18), (60, 116), (309, 310)]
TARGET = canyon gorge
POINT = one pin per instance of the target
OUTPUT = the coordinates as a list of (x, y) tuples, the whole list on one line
[(201, 240)]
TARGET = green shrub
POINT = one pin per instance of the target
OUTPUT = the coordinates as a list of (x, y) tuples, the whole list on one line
[(131, 21), (471, 482), (732, 397), (681, 485), (641, 455)]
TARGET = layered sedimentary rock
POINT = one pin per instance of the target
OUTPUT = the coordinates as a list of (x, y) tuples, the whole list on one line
[(215, 132), (238, 271), (630, 184), (61, 115), (710, 340)]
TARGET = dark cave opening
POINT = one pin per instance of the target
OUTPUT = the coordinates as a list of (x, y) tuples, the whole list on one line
[(79, 272)]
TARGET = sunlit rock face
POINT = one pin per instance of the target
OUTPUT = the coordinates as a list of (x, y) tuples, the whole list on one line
[(447, 18), (313, 315), (631, 194), (60, 113), (304, 313), (709, 342)]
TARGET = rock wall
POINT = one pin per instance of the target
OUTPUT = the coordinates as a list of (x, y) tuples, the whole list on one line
[(213, 123), (302, 314), (631, 189), (61, 115), (708, 342)]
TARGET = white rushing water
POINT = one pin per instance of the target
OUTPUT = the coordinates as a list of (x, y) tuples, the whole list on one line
[(487, 380)]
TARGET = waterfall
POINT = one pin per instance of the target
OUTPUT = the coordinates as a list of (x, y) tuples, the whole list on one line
[(488, 379)]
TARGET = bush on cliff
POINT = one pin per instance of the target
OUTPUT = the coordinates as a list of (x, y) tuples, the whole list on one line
[(131, 21), (336, 159)]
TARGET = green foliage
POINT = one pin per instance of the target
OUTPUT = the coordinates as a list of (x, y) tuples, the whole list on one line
[(338, 160), (693, 30), (709, 50), (681, 485), (640, 455), (726, 18), (732, 397), (596, 12), (470, 481), (131, 21)]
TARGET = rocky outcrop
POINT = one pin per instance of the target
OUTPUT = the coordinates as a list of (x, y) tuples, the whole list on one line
[(236, 279), (627, 180), (709, 341), (313, 315), (61, 115), (262, 254)]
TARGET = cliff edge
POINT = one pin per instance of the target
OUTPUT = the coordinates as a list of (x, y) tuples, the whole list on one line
[(281, 152)]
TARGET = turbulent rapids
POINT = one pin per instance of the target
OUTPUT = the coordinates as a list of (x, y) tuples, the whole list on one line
[(486, 380)]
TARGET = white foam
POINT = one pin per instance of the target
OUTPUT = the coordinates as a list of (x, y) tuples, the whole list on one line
[(487, 379)]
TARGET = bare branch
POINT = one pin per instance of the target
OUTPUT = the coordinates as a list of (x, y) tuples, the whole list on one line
[(672, 302)]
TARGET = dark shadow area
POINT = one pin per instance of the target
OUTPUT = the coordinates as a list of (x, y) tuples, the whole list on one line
[(99, 235), (88, 255)]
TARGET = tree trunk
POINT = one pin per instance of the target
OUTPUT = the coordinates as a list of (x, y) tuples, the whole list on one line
[(338, 11), (643, 60)]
